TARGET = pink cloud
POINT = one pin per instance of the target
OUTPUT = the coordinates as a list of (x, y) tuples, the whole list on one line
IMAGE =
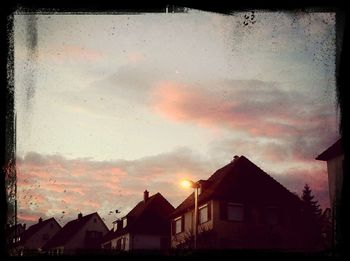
[(50, 185), (267, 111), (26, 218)]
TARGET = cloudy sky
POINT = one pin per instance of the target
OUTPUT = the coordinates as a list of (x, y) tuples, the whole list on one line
[(110, 105)]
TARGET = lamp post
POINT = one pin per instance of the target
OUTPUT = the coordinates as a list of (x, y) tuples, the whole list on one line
[(195, 186)]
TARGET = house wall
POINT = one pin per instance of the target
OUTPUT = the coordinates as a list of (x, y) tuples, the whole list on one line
[(335, 183), (189, 224), (77, 241), (335, 177), (228, 233), (252, 232), (114, 242), (37, 240)]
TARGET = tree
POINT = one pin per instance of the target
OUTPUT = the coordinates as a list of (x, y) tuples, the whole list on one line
[(312, 218), (311, 205)]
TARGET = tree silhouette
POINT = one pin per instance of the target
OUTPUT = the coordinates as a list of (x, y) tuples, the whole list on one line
[(311, 205), (312, 218)]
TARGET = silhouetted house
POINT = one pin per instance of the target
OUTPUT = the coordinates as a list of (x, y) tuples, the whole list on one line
[(36, 236), (146, 226), (13, 235), (240, 206), (79, 235), (334, 156)]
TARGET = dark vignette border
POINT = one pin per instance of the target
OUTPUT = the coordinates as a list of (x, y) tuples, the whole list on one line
[(8, 127)]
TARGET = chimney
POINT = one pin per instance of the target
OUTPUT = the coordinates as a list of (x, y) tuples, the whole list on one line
[(80, 216), (119, 224), (145, 195), (40, 220), (235, 158)]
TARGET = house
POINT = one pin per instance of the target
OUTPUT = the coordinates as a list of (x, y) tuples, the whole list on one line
[(146, 226), (334, 156), (240, 206), (13, 235), (36, 236), (79, 235)]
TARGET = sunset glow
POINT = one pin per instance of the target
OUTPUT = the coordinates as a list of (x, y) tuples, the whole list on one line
[(108, 106)]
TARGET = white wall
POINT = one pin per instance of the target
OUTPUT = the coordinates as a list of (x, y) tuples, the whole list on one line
[(335, 177), (77, 241)]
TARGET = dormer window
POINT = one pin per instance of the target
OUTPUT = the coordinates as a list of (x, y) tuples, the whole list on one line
[(125, 222)]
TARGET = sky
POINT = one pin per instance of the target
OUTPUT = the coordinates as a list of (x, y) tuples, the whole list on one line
[(108, 106)]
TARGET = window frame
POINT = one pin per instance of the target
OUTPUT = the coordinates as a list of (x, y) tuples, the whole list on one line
[(232, 204), (204, 206), (176, 220)]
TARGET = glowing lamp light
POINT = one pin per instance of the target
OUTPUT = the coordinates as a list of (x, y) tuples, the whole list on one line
[(186, 183)]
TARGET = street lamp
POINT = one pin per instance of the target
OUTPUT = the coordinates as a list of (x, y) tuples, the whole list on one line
[(191, 184)]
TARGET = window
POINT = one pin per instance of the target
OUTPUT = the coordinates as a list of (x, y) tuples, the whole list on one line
[(235, 212), (179, 225), (121, 243), (204, 213), (125, 222)]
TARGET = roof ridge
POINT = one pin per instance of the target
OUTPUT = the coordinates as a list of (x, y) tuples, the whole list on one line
[(220, 176)]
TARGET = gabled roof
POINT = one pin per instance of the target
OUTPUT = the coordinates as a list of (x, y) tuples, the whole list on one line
[(68, 231), (150, 217), (240, 180), (36, 228), (332, 152)]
